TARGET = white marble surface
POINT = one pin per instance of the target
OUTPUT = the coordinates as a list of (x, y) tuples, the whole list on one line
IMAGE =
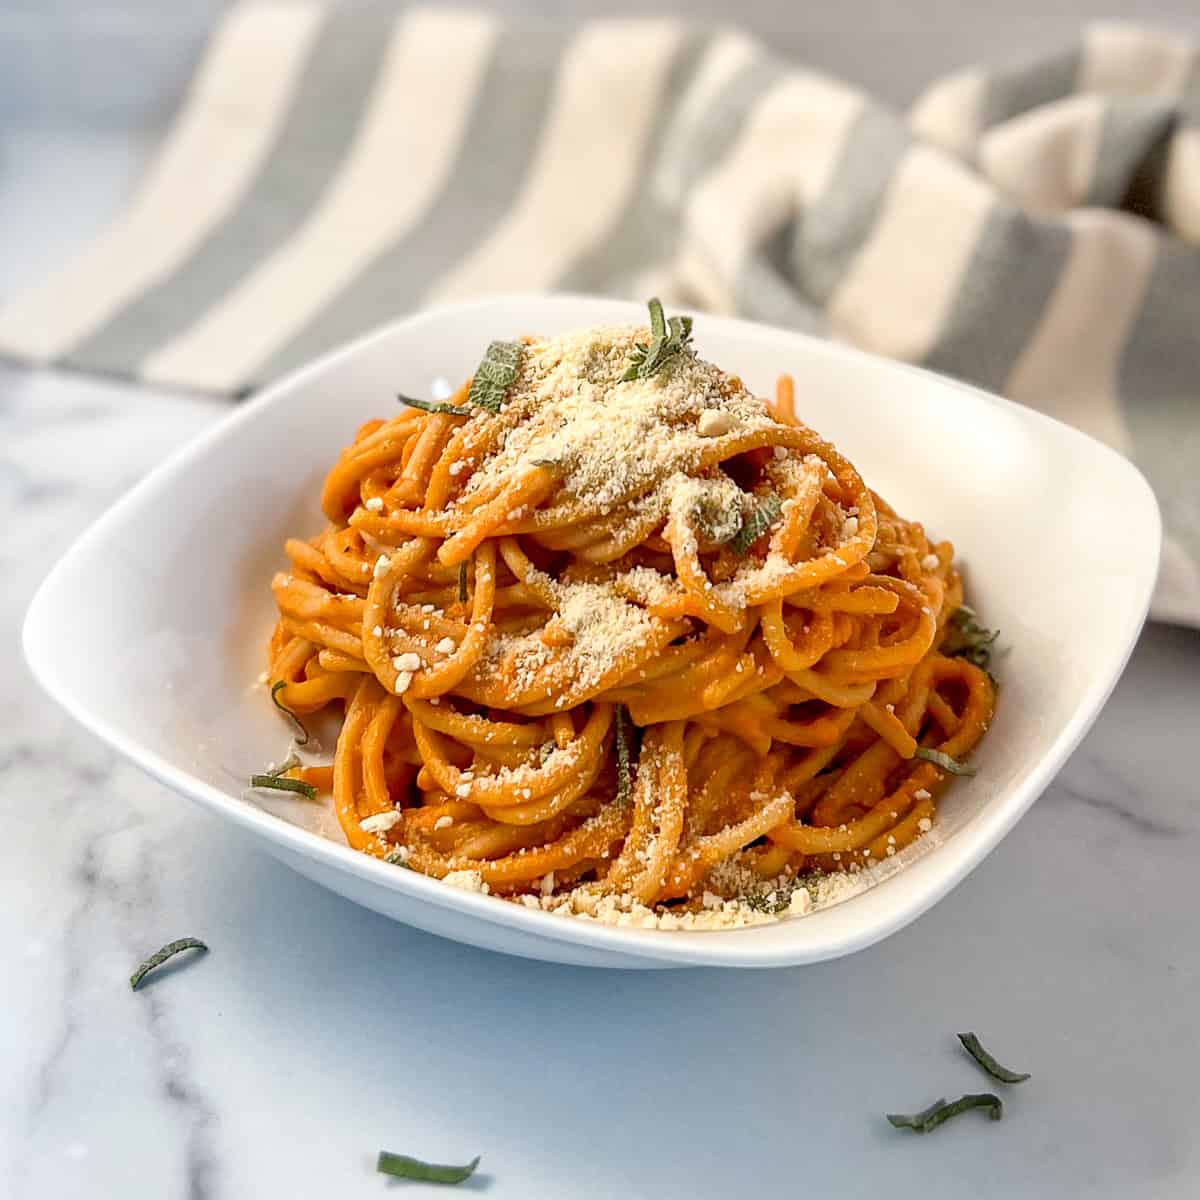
[(314, 1033)]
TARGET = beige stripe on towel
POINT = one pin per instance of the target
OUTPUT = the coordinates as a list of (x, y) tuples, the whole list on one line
[(1127, 59), (730, 54), (227, 127), (1069, 368), (586, 163), (373, 199), (783, 159), (948, 113), (896, 294), (1045, 159)]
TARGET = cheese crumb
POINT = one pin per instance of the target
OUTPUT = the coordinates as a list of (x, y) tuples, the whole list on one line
[(924, 824), (443, 822), (403, 681), (446, 646), (407, 662), (381, 566), (713, 423), (379, 822), (930, 562), (468, 881), (375, 504)]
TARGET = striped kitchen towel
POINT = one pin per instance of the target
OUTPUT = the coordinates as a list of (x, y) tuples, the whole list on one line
[(1035, 230)]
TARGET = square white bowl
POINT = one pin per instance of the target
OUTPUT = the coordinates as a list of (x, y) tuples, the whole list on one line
[(168, 596)]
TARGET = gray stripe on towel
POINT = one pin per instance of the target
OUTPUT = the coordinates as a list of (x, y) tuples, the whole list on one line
[(493, 161), (1014, 268), (319, 127)]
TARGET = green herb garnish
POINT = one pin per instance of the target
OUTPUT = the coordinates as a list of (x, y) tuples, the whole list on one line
[(545, 750), (667, 340), (966, 638), (160, 956), (302, 740), (757, 523), (975, 1049), (762, 902), (462, 582), (624, 769), (775, 901), (433, 406), (397, 857), (945, 761), (495, 374), (943, 1110), (279, 784), (403, 1167)]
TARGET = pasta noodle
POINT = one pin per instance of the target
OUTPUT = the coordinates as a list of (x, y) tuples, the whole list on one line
[(632, 642)]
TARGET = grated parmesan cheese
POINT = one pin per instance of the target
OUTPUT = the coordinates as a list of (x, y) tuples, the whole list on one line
[(379, 822)]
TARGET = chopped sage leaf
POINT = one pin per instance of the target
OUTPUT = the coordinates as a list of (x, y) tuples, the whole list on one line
[(544, 751), (966, 638), (433, 406), (667, 340), (495, 374), (462, 582), (403, 1167), (160, 956), (778, 899), (624, 768), (279, 784), (936, 1114), (945, 761), (775, 901), (757, 523), (975, 1049), (302, 739), (398, 857)]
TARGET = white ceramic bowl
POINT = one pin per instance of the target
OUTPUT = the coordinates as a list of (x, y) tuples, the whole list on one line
[(150, 631)]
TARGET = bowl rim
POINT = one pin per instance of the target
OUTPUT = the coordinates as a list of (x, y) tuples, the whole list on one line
[(734, 947)]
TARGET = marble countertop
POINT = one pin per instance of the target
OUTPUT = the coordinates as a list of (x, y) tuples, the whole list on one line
[(315, 1033)]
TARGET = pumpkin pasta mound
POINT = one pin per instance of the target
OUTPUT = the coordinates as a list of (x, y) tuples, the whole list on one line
[(613, 636)]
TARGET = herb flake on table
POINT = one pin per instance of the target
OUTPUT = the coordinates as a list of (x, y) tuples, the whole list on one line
[(942, 1110), (975, 1049), (401, 1166), (160, 956)]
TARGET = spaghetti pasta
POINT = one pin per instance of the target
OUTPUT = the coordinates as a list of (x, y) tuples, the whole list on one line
[(634, 641)]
